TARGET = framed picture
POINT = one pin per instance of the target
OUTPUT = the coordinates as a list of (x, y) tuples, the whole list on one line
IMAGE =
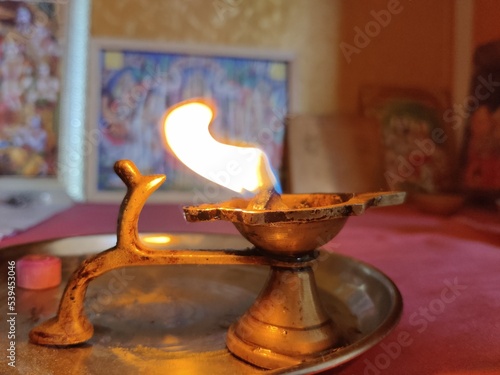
[(481, 146), (32, 45), (43, 53), (418, 146), (133, 83)]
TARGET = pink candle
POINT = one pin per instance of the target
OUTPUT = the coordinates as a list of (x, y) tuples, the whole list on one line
[(38, 271)]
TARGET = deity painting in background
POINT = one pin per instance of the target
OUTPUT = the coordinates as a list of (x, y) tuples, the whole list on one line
[(30, 66), (415, 157), (137, 87)]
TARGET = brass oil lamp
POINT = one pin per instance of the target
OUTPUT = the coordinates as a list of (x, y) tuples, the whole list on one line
[(287, 324)]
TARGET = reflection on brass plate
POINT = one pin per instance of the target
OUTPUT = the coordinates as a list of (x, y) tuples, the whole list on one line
[(149, 320)]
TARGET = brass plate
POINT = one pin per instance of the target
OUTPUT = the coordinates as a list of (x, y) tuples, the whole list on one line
[(173, 319)]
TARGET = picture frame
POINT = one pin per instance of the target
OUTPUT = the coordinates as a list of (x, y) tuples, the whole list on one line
[(49, 124), (419, 152), (131, 85), (480, 154), (32, 42)]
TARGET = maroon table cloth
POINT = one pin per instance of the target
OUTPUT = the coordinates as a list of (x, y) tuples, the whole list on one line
[(446, 267)]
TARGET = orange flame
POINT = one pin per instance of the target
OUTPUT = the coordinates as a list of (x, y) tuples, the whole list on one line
[(241, 169)]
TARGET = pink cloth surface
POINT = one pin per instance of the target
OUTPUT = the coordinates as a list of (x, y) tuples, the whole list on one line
[(447, 269), (84, 219), (445, 330)]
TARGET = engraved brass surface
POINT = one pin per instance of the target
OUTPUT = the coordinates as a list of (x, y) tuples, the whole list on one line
[(287, 324), (310, 221), (152, 320)]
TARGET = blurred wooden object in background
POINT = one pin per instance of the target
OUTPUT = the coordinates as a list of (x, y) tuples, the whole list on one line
[(334, 153), (480, 157), (419, 146)]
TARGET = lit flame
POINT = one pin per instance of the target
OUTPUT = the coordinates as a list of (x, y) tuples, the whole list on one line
[(241, 169)]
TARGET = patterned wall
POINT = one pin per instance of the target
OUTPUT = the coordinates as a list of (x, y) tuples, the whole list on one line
[(307, 29)]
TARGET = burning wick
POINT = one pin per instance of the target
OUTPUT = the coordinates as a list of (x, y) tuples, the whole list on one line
[(245, 170), (267, 200)]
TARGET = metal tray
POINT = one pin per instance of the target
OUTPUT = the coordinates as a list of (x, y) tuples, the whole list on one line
[(173, 319)]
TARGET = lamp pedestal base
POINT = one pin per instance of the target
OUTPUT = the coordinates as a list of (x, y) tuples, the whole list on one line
[(286, 325)]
